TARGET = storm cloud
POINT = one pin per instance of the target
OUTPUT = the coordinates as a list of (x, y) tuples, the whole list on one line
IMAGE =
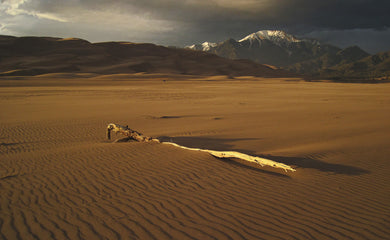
[(182, 22)]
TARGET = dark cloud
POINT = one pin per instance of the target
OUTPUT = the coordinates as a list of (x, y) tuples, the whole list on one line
[(333, 14), (180, 22), (306, 15)]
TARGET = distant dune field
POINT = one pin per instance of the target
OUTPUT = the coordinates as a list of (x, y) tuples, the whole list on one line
[(61, 179), (30, 56)]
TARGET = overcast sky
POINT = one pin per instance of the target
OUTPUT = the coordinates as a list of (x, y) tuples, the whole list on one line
[(183, 22)]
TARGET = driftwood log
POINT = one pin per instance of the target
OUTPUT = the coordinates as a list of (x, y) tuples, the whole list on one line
[(126, 131), (134, 135)]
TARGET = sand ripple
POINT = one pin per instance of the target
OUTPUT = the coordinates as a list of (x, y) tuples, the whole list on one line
[(59, 183)]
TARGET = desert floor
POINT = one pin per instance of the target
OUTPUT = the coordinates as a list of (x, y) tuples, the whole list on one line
[(60, 178)]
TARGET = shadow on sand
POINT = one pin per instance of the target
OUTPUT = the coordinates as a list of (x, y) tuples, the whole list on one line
[(223, 144)]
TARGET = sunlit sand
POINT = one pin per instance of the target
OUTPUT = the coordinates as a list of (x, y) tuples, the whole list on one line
[(60, 178)]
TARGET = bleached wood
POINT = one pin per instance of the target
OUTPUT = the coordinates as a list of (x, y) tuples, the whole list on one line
[(232, 154), (132, 134)]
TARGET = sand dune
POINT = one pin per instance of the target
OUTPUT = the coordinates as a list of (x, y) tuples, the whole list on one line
[(61, 179), (30, 56)]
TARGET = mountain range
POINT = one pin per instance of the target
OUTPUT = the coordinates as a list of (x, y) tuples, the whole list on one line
[(255, 55), (300, 55), (41, 55)]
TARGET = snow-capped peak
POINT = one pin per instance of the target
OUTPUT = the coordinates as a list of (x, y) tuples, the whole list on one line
[(193, 46), (276, 36), (206, 46)]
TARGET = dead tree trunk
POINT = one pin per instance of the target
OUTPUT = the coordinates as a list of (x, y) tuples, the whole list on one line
[(132, 134)]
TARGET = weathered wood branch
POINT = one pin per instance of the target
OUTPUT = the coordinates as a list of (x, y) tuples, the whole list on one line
[(132, 134), (232, 154), (128, 132)]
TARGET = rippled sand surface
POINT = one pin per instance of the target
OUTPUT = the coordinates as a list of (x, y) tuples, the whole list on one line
[(61, 179)]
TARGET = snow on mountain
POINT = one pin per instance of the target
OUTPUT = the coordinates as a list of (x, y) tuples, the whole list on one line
[(206, 46), (278, 37), (278, 48)]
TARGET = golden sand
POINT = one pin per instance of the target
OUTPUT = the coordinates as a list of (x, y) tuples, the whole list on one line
[(61, 179)]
